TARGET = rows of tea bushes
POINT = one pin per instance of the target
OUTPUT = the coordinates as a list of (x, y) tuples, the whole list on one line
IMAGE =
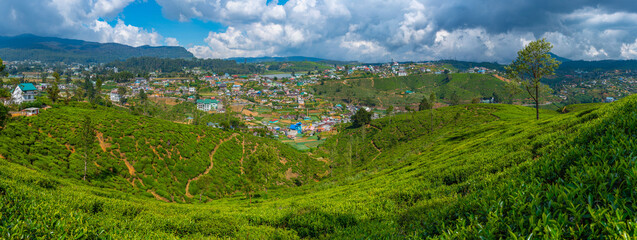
[(469, 171), (581, 187), (141, 155), (392, 90)]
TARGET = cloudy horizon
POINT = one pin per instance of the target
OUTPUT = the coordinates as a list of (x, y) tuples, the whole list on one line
[(366, 31)]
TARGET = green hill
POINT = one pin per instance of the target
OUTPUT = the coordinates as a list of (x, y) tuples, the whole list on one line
[(147, 156), (394, 90), (51, 49), (468, 171)]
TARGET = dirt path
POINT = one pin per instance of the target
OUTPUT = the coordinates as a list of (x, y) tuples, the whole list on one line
[(377, 128), (100, 138), (131, 169), (289, 174), (157, 196), (377, 149), (211, 164), (501, 78)]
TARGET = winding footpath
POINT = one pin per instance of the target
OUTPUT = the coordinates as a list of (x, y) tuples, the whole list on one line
[(211, 164)]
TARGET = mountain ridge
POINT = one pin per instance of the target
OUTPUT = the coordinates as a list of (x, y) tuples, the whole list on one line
[(54, 49)]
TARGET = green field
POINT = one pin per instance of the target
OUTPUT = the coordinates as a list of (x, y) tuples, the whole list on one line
[(480, 171), (384, 92)]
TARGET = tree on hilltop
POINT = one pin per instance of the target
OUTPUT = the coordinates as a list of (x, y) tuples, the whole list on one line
[(361, 117), (532, 64)]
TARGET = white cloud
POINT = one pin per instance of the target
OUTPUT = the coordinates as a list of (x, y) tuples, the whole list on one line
[(171, 42), (629, 50), (125, 34), (78, 19), (371, 30), (375, 30)]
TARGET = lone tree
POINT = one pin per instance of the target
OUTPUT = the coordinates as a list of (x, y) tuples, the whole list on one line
[(361, 117), (532, 64), (454, 99), (88, 138), (54, 90), (424, 104), (142, 96)]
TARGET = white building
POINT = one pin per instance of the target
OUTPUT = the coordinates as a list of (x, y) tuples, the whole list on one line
[(115, 97), (207, 104), (24, 92)]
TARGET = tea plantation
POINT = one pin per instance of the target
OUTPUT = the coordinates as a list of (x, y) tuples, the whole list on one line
[(480, 171), (401, 91)]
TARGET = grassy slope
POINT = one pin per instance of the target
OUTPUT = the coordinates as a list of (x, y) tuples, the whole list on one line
[(141, 155), (481, 171), (388, 91)]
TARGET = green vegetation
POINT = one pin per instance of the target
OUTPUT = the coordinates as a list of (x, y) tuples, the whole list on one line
[(454, 88), (361, 118), (469, 171), (297, 67), (143, 65), (138, 154), (532, 64)]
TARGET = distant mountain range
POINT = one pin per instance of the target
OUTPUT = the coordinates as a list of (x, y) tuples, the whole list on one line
[(52, 49)]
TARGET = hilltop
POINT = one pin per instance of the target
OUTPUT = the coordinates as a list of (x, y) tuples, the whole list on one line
[(52, 49), (467, 171), (410, 90)]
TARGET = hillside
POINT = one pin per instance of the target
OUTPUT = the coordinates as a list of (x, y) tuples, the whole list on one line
[(470, 171), (51, 49), (392, 90), (147, 156), (143, 65)]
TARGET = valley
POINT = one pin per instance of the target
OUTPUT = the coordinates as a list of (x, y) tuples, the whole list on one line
[(410, 175)]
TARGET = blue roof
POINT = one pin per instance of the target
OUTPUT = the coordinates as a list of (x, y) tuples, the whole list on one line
[(27, 87)]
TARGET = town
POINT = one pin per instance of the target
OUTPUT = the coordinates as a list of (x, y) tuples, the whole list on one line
[(287, 106)]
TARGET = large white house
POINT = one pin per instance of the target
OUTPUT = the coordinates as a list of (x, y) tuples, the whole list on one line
[(207, 104), (24, 92), (115, 97)]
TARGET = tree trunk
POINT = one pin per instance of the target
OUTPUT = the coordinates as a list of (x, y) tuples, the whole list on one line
[(537, 102), (85, 159)]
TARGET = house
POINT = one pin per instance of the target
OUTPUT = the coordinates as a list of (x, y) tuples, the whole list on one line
[(609, 99), (207, 104), (487, 100), (24, 92), (31, 111), (114, 96), (236, 87)]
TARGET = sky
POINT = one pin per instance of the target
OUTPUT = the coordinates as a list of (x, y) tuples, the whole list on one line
[(366, 31)]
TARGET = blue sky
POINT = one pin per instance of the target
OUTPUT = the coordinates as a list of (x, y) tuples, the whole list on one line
[(148, 15), (369, 30)]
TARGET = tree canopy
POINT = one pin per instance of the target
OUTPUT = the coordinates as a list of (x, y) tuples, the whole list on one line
[(1, 65), (532, 64), (361, 117)]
